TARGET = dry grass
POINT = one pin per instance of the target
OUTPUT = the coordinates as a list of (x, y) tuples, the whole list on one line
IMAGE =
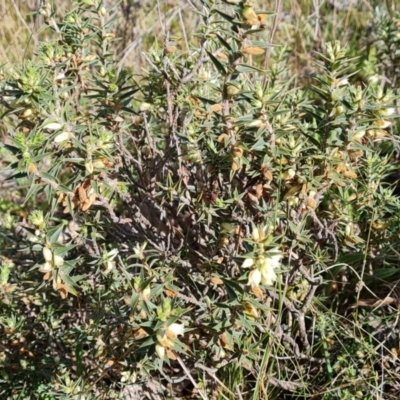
[(140, 25)]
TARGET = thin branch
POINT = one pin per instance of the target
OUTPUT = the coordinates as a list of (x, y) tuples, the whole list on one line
[(187, 372), (21, 18)]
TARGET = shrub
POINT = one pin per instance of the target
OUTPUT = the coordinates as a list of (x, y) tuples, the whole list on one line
[(207, 223)]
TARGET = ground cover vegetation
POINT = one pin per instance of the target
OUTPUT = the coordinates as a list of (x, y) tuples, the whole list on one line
[(216, 218)]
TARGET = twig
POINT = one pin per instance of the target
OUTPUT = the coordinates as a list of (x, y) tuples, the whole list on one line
[(24, 22), (104, 202), (172, 380), (187, 372), (191, 300), (211, 372), (278, 10), (299, 315), (292, 386), (183, 30), (325, 229), (238, 393)]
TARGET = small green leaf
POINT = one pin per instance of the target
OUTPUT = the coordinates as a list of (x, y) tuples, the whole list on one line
[(218, 65)]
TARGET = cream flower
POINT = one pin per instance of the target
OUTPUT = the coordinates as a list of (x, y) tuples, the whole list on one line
[(267, 269), (46, 267), (175, 330), (47, 254), (110, 265), (51, 258), (268, 275), (248, 262), (342, 82), (254, 278), (166, 341), (160, 350), (146, 292), (58, 260), (387, 111), (53, 126), (258, 234), (63, 136), (383, 123), (358, 135)]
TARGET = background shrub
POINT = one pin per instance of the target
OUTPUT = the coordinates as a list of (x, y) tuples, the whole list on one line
[(224, 225)]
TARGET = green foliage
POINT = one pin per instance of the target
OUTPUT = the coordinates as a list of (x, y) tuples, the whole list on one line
[(207, 217), (385, 52)]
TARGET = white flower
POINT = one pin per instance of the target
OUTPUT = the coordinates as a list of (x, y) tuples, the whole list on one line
[(383, 123), (390, 111), (109, 266), (46, 267), (60, 76), (160, 350), (268, 275), (47, 254), (275, 260), (267, 268), (58, 260), (175, 330), (61, 137), (51, 259), (258, 234), (289, 174), (128, 376), (146, 292), (265, 265), (144, 106), (248, 262), (166, 341), (53, 126), (256, 123), (108, 258), (254, 278), (358, 135)]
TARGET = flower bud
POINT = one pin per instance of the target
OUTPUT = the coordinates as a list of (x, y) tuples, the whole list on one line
[(47, 254), (89, 167), (358, 136), (37, 218), (63, 136), (53, 126), (383, 123), (255, 123), (160, 350), (58, 260), (256, 234), (144, 106), (146, 292), (248, 262)]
